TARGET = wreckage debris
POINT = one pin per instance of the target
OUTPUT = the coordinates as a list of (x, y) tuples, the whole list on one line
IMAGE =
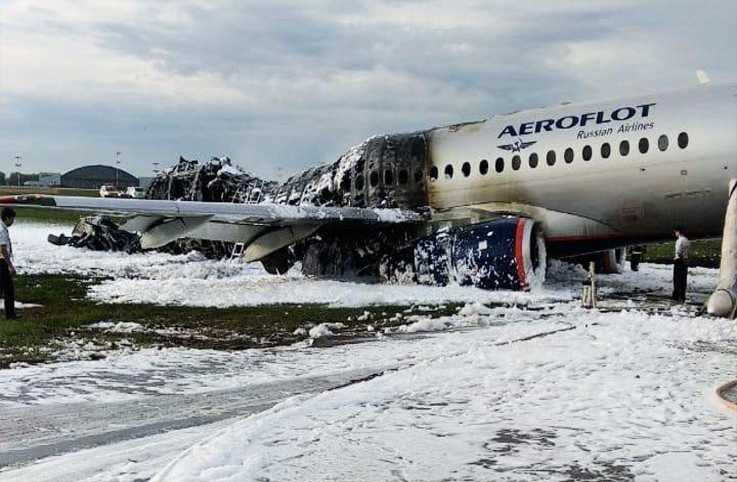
[(215, 181), (100, 234)]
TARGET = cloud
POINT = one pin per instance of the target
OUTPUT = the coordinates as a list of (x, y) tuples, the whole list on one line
[(291, 84)]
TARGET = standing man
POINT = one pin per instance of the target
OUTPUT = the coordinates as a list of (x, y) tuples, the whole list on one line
[(680, 265), (7, 270)]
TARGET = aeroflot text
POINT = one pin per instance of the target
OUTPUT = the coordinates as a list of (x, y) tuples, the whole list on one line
[(619, 115)]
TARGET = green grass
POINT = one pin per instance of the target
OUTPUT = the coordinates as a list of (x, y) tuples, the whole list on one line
[(703, 252), (47, 215), (55, 191), (65, 312)]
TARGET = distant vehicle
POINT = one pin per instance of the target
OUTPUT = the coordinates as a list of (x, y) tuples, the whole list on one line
[(135, 192), (108, 190)]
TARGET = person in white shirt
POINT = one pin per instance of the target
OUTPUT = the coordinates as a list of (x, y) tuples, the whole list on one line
[(680, 265), (7, 270)]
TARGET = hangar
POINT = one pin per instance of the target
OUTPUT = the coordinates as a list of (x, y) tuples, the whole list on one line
[(92, 177)]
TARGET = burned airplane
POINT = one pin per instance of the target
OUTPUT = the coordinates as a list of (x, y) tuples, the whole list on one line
[(481, 203)]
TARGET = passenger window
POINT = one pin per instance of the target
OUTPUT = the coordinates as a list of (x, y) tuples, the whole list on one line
[(449, 171), (483, 167), (499, 164), (682, 140), (644, 145), (466, 169), (359, 182), (388, 177), (516, 162), (551, 158), (374, 178), (433, 173), (624, 148), (663, 142), (606, 150), (403, 177), (568, 155), (345, 183), (533, 160), (587, 153)]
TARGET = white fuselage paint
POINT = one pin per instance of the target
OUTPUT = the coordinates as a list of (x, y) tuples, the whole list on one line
[(637, 196)]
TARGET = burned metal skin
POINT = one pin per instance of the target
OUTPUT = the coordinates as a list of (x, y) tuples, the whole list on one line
[(382, 172)]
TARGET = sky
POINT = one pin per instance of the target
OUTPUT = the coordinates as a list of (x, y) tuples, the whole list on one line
[(279, 86)]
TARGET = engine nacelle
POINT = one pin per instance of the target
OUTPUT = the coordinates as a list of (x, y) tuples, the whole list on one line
[(504, 253)]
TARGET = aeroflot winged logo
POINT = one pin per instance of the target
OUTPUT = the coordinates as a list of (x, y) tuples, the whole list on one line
[(591, 119), (517, 146)]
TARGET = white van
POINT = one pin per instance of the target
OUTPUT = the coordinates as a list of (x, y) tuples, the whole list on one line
[(136, 192)]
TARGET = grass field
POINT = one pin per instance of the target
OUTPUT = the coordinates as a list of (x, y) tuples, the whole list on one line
[(55, 191), (703, 252), (65, 314)]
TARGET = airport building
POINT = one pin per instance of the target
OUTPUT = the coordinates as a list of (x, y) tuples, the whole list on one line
[(92, 177)]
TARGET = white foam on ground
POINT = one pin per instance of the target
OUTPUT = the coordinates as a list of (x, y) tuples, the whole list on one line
[(621, 395)]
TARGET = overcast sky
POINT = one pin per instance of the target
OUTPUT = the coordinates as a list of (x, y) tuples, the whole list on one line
[(282, 85)]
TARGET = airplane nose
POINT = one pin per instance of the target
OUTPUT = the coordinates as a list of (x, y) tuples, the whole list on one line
[(721, 303)]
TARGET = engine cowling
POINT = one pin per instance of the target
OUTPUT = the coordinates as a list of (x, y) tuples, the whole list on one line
[(507, 253)]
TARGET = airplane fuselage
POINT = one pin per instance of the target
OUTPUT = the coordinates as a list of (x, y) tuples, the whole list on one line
[(603, 174)]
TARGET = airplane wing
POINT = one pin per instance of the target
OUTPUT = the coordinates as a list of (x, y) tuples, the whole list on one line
[(262, 228)]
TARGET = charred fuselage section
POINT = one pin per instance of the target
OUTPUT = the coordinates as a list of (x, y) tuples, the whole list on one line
[(214, 181), (382, 172)]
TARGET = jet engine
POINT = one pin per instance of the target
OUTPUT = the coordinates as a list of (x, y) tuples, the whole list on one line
[(507, 253)]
